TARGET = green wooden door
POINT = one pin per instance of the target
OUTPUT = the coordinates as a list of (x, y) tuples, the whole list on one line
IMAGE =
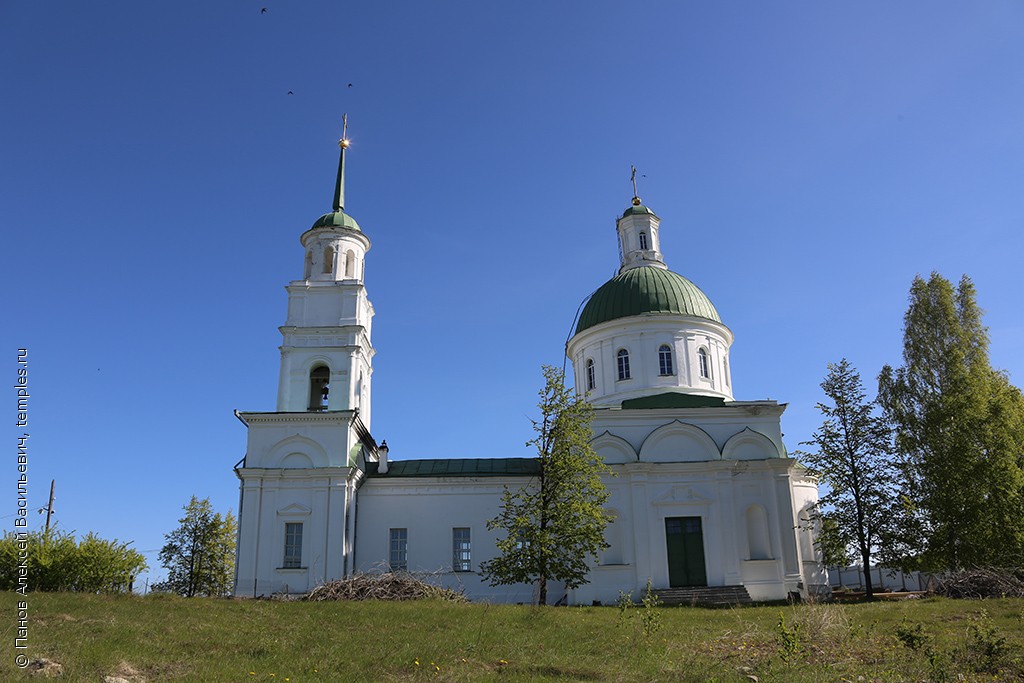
[(685, 541)]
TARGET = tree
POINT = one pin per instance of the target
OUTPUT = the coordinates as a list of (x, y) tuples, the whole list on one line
[(56, 561), (200, 554), (853, 460), (959, 428), (557, 522), (835, 551)]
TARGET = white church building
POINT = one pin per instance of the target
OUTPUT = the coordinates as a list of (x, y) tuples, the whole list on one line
[(704, 495)]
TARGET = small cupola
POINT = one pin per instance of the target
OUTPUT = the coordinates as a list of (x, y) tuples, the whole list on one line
[(335, 246), (639, 244)]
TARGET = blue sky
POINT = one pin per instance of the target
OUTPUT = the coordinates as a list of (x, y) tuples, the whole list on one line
[(806, 159)]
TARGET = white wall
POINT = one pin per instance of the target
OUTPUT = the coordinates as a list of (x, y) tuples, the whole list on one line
[(642, 336), (429, 508)]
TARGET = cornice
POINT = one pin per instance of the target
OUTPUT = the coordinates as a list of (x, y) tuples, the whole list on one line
[(254, 475), (324, 417), (730, 409)]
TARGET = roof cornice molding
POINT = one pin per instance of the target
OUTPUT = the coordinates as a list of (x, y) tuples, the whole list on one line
[(324, 417)]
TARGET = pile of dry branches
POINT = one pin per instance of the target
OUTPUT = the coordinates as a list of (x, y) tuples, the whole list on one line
[(982, 583), (386, 586)]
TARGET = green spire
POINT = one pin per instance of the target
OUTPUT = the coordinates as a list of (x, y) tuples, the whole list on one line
[(338, 218), (339, 190)]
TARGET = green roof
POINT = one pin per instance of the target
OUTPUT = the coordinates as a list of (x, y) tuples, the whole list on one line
[(459, 467), (638, 209), (336, 219), (647, 289), (674, 399)]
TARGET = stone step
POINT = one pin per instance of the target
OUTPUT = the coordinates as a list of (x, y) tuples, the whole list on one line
[(704, 595)]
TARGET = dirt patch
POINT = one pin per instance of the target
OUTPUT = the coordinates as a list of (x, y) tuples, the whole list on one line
[(125, 673), (47, 668)]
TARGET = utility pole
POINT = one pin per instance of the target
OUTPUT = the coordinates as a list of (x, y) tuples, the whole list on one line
[(49, 506)]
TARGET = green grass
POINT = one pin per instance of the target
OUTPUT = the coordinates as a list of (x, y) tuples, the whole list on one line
[(161, 638)]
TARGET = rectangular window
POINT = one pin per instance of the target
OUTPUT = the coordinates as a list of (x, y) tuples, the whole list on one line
[(398, 556), (461, 561), (292, 544)]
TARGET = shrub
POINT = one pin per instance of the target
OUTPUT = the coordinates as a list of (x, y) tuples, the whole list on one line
[(56, 561), (912, 635)]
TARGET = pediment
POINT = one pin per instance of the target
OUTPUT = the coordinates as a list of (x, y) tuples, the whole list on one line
[(613, 449), (294, 510), (679, 442), (750, 445)]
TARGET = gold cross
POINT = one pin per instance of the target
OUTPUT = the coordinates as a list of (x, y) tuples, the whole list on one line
[(343, 142)]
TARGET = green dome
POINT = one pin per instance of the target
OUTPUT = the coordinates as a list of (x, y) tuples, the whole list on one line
[(336, 219), (646, 289), (638, 209)]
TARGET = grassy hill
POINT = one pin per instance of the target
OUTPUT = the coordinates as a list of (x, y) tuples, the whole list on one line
[(161, 638)]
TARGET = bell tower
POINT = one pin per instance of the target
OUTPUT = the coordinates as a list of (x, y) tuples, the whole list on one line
[(326, 354), (304, 462)]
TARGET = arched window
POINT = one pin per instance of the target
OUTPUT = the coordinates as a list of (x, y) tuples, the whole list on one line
[(350, 264), (309, 264), (591, 379), (702, 359), (329, 260), (643, 240), (319, 381), (623, 360), (665, 360)]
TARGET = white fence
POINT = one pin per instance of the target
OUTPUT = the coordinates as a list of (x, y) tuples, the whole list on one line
[(881, 578)]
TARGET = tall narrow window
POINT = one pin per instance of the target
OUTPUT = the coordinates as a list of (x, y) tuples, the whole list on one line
[(319, 387), (591, 379), (292, 545), (623, 360), (329, 260), (643, 240), (702, 359), (725, 369), (398, 555), (461, 561), (309, 263), (350, 264), (665, 360)]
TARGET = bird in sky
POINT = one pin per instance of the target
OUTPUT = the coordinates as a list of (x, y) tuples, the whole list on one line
[(350, 85), (290, 92), (263, 11)]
